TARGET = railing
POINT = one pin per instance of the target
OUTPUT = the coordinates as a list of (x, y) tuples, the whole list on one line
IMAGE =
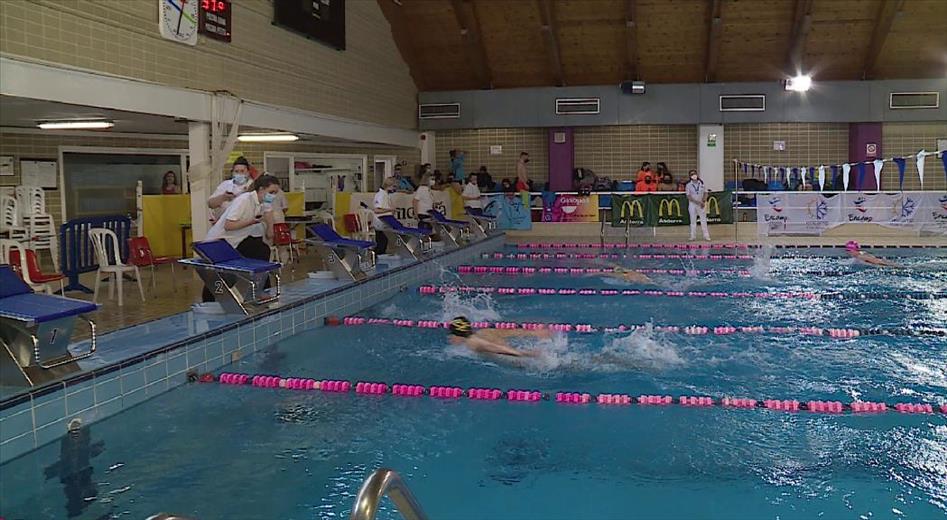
[(385, 482)]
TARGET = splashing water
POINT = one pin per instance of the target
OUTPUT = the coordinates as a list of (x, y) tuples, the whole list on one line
[(761, 263), (642, 349), (475, 306)]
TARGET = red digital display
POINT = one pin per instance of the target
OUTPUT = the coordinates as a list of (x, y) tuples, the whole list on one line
[(214, 19)]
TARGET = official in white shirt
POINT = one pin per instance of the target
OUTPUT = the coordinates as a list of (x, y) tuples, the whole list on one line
[(381, 206), (423, 201), (230, 189), (241, 223), (697, 204), (471, 193)]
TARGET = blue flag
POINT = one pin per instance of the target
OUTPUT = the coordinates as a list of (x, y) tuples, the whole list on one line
[(900, 162), (834, 176), (861, 176)]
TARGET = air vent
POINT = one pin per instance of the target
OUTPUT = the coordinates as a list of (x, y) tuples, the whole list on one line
[(745, 103), (899, 100), (439, 111), (577, 106)]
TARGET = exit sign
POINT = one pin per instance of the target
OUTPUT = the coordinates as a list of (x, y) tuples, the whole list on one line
[(214, 19)]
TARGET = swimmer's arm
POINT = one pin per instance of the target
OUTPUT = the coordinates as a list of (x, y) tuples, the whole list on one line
[(490, 347)]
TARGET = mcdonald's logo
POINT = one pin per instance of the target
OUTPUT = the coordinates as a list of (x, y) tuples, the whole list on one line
[(670, 206), (713, 207), (633, 207)]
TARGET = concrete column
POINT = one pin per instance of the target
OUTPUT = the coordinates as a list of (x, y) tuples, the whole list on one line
[(864, 144), (198, 139), (710, 156), (561, 159)]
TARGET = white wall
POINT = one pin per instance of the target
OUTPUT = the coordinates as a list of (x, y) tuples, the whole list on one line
[(710, 158)]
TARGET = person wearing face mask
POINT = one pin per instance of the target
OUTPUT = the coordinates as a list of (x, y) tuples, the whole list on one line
[(228, 190), (423, 201), (382, 206), (667, 183), (644, 171), (522, 176), (646, 184), (471, 193), (241, 223), (697, 195)]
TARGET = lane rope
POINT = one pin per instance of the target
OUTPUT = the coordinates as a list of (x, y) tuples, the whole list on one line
[(588, 291), (612, 256), (692, 330), (578, 271), (564, 398)]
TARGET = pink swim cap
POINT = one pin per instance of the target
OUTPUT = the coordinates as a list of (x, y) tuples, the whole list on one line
[(852, 245)]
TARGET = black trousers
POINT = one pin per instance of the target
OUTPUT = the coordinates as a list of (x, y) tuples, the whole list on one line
[(381, 242), (250, 247)]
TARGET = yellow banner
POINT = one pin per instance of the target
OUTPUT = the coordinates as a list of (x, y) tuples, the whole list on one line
[(162, 219)]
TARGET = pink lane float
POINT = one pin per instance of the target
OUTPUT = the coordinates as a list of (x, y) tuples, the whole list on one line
[(581, 271), (613, 256), (444, 289), (496, 394), (574, 245)]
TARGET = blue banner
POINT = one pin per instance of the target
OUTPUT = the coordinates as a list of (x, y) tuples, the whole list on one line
[(510, 209)]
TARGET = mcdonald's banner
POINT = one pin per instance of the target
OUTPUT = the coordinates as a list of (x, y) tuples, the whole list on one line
[(669, 210), (632, 210), (572, 208), (719, 208)]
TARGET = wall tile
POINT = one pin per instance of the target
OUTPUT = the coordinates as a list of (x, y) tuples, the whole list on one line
[(108, 387), (177, 363), (80, 400), (50, 432), (16, 424), (17, 446), (133, 378), (155, 373), (49, 410)]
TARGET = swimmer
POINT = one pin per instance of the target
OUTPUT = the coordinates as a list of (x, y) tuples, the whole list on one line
[(491, 341), (627, 275), (854, 251)]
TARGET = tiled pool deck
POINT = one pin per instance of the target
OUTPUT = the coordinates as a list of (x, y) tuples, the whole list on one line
[(139, 362)]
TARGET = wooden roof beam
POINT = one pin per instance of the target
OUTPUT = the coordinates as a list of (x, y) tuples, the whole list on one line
[(551, 30), (887, 12), (394, 12), (715, 25), (802, 23), (631, 40), (466, 13)]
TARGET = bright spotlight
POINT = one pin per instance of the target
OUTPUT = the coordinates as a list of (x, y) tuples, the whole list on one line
[(800, 83)]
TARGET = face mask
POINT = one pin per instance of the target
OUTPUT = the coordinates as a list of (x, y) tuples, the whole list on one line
[(430, 182), (269, 197), (239, 179), (525, 161), (694, 178)]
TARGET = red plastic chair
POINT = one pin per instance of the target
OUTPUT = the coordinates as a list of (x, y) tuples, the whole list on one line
[(140, 254), (351, 224), (35, 275), (283, 237)]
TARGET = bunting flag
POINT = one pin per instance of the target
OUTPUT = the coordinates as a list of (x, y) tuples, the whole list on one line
[(900, 162), (943, 159), (846, 169), (804, 169), (744, 167), (861, 176), (879, 164), (821, 177), (834, 176), (920, 166)]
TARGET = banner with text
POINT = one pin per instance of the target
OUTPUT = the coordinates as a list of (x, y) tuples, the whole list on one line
[(402, 202), (571, 208), (668, 209), (811, 213), (631, 210), (510, 209)]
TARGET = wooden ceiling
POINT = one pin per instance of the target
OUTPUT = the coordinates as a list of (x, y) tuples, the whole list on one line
[(479, 44)]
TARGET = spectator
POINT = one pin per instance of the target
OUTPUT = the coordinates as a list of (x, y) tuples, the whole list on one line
[(169, 185), (645, 170), (646, 184), (667, 182), (240, 224), (471, 193), (423, 201), (506, 186), (381, 206), (403, 184), (522, 176), (228, 190), (660, 169), (484, 179), (457, 163)]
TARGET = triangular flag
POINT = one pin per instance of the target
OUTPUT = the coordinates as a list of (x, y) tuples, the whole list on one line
[(943, 159), (920, 166), (846, 168), (860, 183), (879, 164), (899, 161), (744, 167), (834, 176), (821, 177), (804, 170)]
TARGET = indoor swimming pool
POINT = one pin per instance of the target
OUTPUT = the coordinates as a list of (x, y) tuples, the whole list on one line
[(208, 450)]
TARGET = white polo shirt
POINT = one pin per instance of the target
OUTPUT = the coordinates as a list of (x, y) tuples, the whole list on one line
[(244, 207), (225, 187), (382, 201), (425, 200), (471, 190)]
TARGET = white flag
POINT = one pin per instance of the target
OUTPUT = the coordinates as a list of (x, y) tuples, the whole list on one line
[(920, 165), (766, 174), (803, 170), (821, 177), (845, 169), (879, 164)]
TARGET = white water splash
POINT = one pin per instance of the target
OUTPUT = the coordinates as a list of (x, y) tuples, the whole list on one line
[(642, 349), (475, 306), (762, 264)]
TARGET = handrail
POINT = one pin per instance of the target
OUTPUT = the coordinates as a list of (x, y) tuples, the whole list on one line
[(381, 482)]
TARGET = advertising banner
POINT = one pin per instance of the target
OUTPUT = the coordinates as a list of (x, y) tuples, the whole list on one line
[(934, 213), (630, 209), (719, 208), (571, 208), (402, 202), (796, 213), (510, 209), (811, 213), (669, 210)]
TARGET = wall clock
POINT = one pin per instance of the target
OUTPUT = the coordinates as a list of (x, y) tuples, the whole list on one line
[(177, 20)]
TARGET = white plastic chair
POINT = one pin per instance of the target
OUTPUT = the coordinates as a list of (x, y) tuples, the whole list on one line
[(41, 230), (10, 219), (113, 267), (363, 221), (22, 268), (32, 200)]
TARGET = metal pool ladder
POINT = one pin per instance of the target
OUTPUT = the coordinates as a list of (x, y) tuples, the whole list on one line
[(381, 482)]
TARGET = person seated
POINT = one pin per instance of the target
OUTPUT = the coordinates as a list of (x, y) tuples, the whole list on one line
[(485, 180), (667, 183), (404, 184), (646, 184), (491, 341), (423, 201), (506, 186), (644, 170), (853, 249), (471, 193)]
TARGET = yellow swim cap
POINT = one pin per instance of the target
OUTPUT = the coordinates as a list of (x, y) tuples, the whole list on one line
[(460, 326)]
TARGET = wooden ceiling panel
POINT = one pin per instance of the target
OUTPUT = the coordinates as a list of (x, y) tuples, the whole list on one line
[(668, 42)]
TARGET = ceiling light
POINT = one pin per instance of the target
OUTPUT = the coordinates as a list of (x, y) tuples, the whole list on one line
[(75, 125), (268, 138), (800, 83)]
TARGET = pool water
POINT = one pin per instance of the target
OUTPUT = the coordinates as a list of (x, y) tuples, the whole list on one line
[(215, 451)]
